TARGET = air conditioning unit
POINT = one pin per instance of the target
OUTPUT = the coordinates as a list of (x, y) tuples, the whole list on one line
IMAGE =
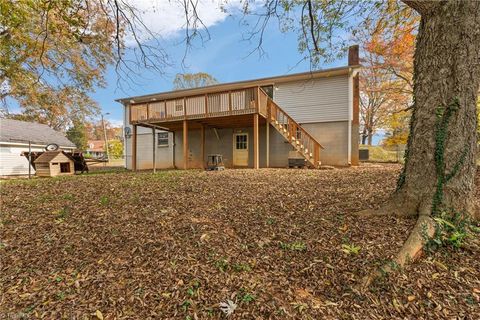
[(296, 160)]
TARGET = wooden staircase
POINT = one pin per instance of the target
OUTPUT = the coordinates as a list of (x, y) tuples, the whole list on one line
[(293, 132)]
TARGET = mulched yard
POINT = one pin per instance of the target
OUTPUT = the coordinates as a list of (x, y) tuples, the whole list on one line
[(278, 243)]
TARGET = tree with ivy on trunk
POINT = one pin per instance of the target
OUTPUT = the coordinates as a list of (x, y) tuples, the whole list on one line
[(440, 162)]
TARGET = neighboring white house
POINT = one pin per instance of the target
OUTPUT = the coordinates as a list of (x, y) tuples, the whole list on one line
[(96, 149), (15, 137)]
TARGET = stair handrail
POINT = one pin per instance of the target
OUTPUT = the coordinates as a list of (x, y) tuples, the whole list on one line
[(271, 104)]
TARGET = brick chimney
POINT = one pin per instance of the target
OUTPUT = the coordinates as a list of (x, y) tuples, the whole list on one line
[(353, 58)]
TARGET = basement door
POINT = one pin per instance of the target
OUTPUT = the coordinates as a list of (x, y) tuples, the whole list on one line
[(240, 149)]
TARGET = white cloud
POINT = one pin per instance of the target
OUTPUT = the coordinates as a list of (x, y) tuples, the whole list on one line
[(166, 18), (116, 122)]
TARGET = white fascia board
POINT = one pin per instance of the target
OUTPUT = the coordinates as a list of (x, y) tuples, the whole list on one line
[(21, 144)]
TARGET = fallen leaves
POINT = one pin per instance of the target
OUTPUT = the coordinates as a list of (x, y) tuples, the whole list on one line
[(440, 265), (276, 243), (228, 307), (99, 315)]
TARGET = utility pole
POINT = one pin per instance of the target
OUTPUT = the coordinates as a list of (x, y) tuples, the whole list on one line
[(105, 136)]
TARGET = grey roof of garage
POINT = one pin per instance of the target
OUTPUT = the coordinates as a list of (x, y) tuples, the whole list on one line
[(22, 132)]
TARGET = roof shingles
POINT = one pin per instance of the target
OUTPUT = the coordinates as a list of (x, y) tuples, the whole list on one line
[(37, 133)]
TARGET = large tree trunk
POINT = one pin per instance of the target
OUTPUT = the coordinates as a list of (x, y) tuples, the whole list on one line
[(440, 163)]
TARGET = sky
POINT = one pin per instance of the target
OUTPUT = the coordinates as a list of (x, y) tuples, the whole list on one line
[(227, 55)]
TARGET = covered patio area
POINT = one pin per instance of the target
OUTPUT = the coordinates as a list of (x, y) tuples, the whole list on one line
[(246, 135)]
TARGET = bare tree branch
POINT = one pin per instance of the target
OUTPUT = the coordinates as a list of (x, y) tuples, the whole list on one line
[(312, 26)]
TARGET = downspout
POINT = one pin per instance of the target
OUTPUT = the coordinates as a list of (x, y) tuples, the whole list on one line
[(173, 148), (350, 115)]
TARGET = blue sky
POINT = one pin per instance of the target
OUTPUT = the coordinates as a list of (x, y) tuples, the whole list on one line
[(225, 56)]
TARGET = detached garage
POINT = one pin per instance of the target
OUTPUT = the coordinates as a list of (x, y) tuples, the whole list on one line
[(16, 137)]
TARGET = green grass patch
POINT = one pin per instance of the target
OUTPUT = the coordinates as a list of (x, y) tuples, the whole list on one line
[(381, 154), (293, 246)]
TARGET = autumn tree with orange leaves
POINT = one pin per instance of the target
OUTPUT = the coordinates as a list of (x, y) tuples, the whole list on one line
[(386, 80)]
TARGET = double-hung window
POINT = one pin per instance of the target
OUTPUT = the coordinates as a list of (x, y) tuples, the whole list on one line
[(162, 139)]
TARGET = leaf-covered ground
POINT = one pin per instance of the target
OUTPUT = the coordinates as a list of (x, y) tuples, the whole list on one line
[(277, 243)]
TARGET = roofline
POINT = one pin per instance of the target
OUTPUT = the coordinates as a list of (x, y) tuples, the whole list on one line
[(33, 144), (239, 85), (57, 152)]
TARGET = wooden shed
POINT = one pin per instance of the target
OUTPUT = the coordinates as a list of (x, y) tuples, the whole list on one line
[(54, 163)]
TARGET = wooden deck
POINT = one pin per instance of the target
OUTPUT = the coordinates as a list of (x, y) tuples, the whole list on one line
[(219, 104)]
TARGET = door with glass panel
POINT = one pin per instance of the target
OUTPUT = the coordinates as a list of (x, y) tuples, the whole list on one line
[(240, 149)]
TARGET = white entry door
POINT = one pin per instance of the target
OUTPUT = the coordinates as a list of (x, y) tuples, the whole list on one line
[(240, 149)]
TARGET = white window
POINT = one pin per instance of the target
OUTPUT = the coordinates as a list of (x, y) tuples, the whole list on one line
[(162, 139)]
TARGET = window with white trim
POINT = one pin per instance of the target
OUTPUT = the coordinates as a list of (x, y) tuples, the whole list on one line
[(162, 139)]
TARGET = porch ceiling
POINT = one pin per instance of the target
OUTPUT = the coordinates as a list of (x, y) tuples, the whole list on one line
[(239, 121)]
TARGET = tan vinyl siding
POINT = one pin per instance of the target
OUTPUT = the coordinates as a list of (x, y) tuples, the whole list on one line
[(163, 155), (316, 100)]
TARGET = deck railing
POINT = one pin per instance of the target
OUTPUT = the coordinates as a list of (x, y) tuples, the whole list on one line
[(262, 102), (215, 104)]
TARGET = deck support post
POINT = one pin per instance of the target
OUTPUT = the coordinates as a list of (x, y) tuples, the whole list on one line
[(154, 160), (185, 144), (256, 162), (134, 148), (267, 145), (202, 145), (267, 137)]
